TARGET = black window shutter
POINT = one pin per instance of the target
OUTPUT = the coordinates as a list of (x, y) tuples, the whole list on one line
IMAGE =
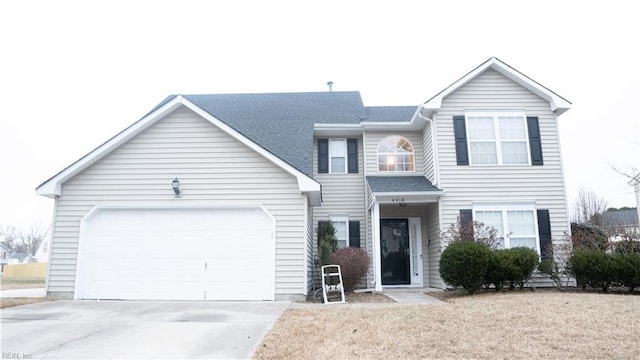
[(354, 234), (352, 155), (544, 231), (466, 227), (534, 140), (460, 134), (323, 156)]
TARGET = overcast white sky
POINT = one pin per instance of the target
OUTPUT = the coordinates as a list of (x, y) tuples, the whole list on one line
[(74, 73)]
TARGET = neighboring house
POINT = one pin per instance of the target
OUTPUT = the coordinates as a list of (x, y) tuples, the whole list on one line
[(621, 222), (42, 254), (218, 196)]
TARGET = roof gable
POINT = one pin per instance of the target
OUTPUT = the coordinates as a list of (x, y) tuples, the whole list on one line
[(53, 186), (558, 104)]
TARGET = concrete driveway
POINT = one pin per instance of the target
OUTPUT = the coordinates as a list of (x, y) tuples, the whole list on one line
[(137, 329)]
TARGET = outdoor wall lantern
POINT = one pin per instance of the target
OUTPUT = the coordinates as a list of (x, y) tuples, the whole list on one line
[(176, 186)]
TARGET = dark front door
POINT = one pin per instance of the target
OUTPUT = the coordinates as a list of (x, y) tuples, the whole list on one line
[(394, 243)]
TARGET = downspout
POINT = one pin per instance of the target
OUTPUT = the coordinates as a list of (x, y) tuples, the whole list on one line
[(436, 174)]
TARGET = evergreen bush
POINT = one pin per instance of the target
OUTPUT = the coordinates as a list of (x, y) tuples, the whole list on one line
[(464, 264), (627, 270), (593, 267)]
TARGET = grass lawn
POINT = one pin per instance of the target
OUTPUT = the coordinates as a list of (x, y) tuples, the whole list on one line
[(540, 324)]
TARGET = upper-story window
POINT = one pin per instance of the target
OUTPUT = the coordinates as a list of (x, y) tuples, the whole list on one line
[(498, 139), (395, 154), (338, 156)]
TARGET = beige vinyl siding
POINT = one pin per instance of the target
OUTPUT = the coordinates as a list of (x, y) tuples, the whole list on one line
[(310, 258), (213, 168), (428, 159), (373, 138), (342, 194), (432, 266), (467, 184)]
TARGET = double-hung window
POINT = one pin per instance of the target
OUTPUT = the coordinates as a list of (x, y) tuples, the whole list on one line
[(338, 156), (497, 138), (341, 224), (516, 224)]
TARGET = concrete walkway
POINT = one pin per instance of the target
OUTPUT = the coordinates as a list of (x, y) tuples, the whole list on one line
[(412, 297), (23, 293)]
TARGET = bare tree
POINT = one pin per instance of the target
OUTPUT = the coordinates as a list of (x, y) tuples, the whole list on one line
[(8, 236), (26, 242), (588, 208), (32, 238), (632, 172)]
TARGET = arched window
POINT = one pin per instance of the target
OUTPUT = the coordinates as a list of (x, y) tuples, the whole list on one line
[(395, 154)]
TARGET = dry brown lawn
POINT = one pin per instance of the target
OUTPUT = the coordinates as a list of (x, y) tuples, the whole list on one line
[(5, 303), (21, 284), (541, 324)]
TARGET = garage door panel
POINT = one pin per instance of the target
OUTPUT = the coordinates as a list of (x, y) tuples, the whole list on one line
[(178, 254)]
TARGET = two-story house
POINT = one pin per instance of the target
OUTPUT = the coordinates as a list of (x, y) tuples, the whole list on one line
[(218, 196)]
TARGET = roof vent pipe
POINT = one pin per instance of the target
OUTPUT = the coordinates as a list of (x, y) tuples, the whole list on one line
[(330, 85)]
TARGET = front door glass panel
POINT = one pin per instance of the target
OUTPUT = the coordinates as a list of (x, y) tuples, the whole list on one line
[(395, 253)]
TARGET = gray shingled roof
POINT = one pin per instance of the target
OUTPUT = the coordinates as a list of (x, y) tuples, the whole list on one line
[(400, 184), (282, 123), (271, 118), (390, 113), (627, 217)]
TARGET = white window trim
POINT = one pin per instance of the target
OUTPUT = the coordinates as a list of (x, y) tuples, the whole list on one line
[(495, 114), (345, 219), (378, 153), (346, 156), (504, 207)]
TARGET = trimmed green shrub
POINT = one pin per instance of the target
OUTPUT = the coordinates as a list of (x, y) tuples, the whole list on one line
[(525, 261), (627, 268), (354, 264), (592, 267), (501, 269), (511, 267), (464, 264), (548, 267)]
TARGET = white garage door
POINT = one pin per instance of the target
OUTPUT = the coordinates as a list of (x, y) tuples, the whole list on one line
[(177, 254)]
